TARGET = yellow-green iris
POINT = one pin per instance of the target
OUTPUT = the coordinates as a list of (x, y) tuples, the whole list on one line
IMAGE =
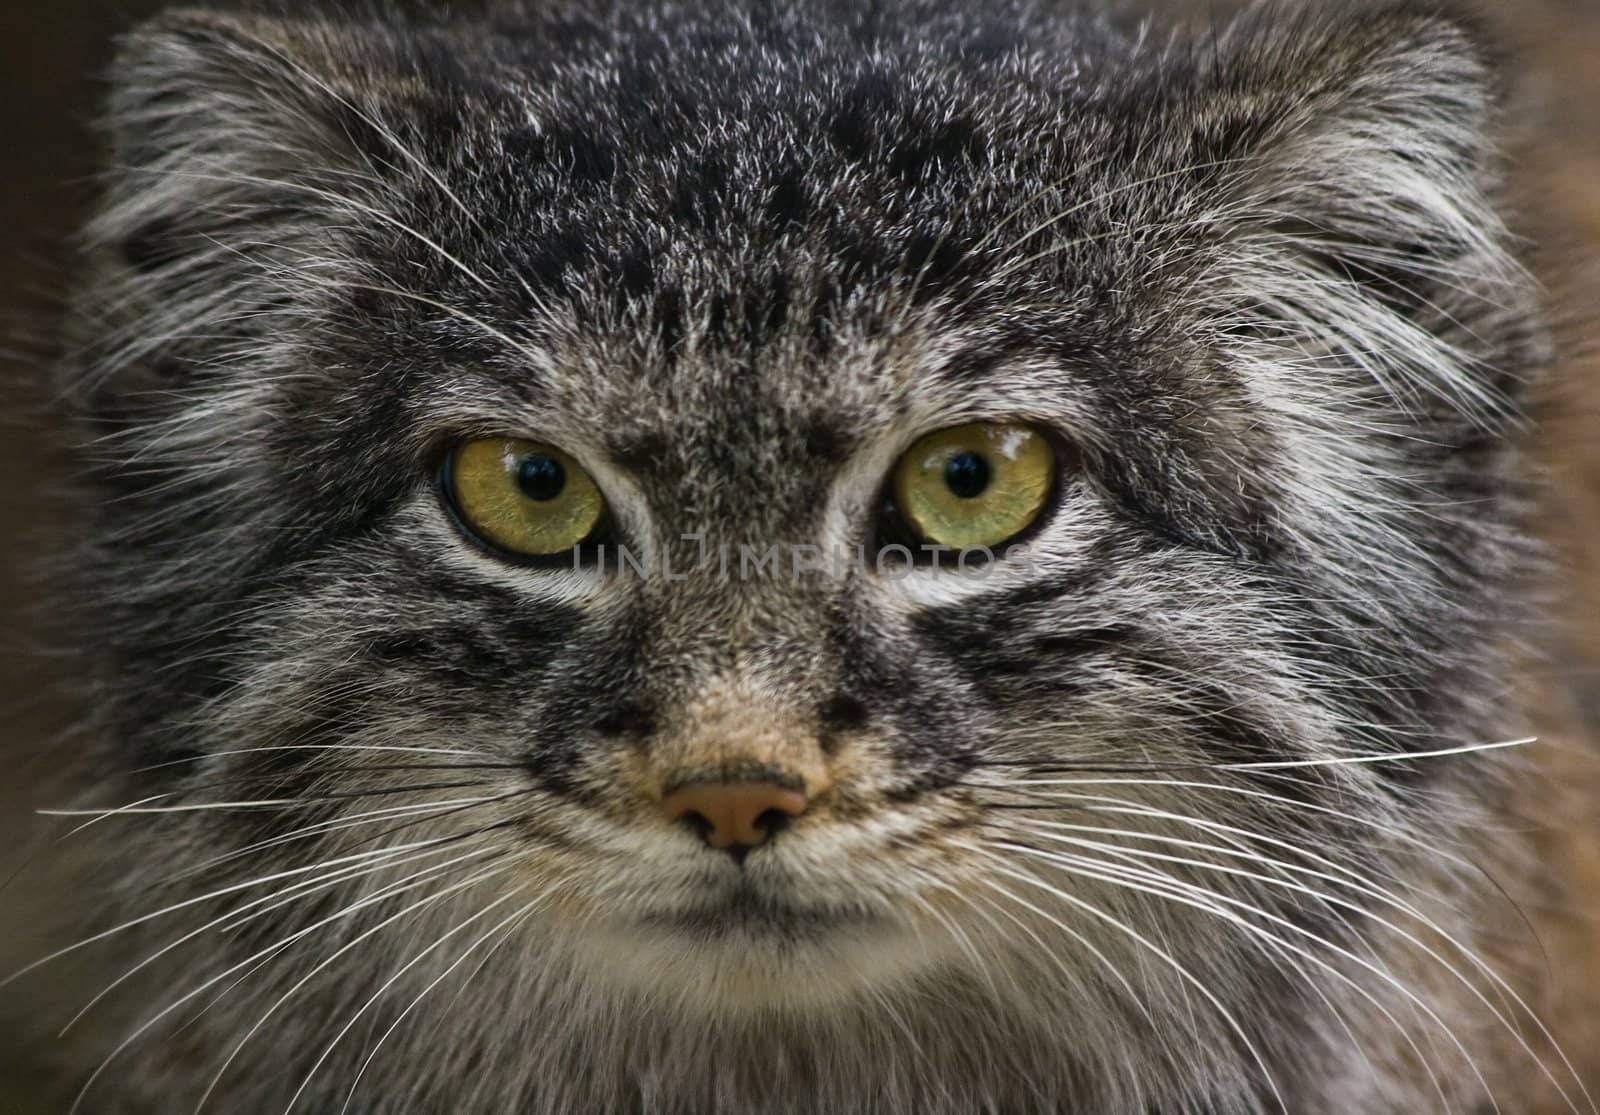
[(523, 497), (978, 485)]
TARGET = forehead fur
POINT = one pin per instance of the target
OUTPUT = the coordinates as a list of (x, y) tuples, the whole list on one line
[(768, 233)]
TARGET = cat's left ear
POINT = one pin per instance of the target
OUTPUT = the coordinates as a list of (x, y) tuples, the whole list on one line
[(1364, 199)]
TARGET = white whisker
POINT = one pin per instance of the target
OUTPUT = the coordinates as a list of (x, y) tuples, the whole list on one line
[(1156, 950)]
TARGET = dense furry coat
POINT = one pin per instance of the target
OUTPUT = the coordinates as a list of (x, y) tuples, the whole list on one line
[(1180, 809)]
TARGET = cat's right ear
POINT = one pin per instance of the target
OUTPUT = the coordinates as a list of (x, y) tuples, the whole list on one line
[(245, 153), (226, 127)]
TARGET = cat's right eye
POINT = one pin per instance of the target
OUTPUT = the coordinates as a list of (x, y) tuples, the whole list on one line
[(522, 497)]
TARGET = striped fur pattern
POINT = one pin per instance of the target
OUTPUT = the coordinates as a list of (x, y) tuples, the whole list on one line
[(1182, 814)]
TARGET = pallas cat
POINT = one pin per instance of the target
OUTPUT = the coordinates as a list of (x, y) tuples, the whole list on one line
[(788, 556)]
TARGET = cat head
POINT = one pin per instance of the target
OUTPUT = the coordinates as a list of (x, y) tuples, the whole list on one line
[(516, 446)]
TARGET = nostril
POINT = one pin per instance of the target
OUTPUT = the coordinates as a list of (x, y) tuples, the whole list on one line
[(771, 822), (697, 823)]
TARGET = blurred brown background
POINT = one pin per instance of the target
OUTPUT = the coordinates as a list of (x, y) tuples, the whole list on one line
[(51, 52)]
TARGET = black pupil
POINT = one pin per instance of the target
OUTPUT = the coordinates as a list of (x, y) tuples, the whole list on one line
[(966, 475), (541, 478)]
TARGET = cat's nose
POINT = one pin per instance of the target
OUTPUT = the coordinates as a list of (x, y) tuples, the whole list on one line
[(734, 816)]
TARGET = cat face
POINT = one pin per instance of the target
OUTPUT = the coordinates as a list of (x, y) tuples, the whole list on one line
[(728, 275)]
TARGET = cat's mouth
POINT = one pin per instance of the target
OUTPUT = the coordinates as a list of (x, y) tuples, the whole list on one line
[(748, 910), (762, 938)]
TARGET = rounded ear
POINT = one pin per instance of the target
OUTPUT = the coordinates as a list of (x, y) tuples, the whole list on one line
[(245, 152), (222, 124), (1385, 126), (1363, 216), (268, 92)]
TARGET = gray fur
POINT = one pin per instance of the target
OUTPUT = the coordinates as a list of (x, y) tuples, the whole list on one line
[(737, 258)]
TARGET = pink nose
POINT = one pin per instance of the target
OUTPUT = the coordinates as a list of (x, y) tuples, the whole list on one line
[(734, 816)]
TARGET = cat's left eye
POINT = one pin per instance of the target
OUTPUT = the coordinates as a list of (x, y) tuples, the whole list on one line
[(523, 497), (980, 485)]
